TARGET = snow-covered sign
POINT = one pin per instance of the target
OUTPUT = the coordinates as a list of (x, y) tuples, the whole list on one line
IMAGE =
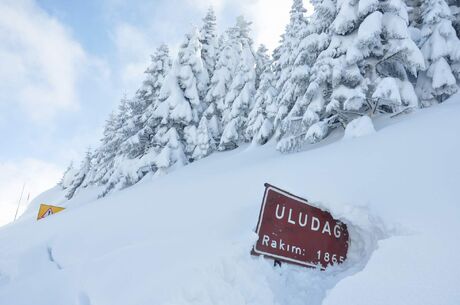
[(293, 231), (48, 210)]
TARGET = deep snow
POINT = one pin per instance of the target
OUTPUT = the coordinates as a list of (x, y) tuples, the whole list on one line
[(185, 238)]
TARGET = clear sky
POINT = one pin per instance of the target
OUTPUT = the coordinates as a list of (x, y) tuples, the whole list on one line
[(64, 64)]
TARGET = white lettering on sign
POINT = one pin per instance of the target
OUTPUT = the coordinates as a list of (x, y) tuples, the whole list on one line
[(315, 224), (330, 258), (282, 245), (302, 220)]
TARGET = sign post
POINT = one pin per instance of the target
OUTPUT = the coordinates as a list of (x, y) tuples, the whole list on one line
[(48, 210), (291, 230)]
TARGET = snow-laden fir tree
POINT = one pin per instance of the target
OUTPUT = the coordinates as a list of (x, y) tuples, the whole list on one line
[(136, 128), (173, 152), (209, 41), (67, 177), (294, 32), (263, 60), (320, 87), (117, 175), (441, 49), (148, 94), (384, 54), (80, 176), (226, 64), (370, 63), (260, 126), (239, 99), (105, 155), (314, 40), (205, 144), (181, 103)]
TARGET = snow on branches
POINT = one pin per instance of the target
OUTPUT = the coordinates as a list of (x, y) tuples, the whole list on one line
[(348, 62)]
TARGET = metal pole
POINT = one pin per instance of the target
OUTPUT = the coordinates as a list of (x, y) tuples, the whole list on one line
[(19, 202)]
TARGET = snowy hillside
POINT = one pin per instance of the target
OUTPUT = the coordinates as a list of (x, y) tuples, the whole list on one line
[(185, 238)]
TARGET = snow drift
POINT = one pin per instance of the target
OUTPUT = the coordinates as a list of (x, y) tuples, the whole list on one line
[(185, 238)]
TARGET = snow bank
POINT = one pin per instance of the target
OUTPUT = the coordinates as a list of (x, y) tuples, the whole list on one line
[(359, 127), (185, 238)]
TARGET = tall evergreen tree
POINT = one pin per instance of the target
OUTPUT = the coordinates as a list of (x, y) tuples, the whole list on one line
[(295, 31), (260, 126), (314, 40), (372, 60), (263, 60), (136, 128), (313, 77), (181, 103), (112, 169), (104, 164), (209, 41), (67, 177), (441, 49), (239, 99), (160, 65), (226, 64), (79, 178)]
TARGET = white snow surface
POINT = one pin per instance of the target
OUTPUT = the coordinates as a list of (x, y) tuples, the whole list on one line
[(184, 238), (359, 127)]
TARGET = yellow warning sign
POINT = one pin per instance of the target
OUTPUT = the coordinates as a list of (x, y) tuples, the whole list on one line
[(47, 210)]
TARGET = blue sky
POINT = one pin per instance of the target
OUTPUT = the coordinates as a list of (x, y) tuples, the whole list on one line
[(64, 64)]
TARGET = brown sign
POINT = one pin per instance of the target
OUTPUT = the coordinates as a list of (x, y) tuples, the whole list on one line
[(293, 231)]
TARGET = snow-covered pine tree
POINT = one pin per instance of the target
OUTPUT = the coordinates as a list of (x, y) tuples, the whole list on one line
[(294, 32), (366, 68), (181, 103), (441, 49), (173, 152), (314, 40), (382, 50), (226, 63), (239, 99), (205, 144), (67, 177), (131, 147), (136, 129), (279, 68), (113, 172), (108, 157), (320, 87), (260, 126), (263, 60), (105, 153), (160, 65), (209, 41), (80, 177)]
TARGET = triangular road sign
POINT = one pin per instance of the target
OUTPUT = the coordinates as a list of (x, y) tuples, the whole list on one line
[(48, 210)]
